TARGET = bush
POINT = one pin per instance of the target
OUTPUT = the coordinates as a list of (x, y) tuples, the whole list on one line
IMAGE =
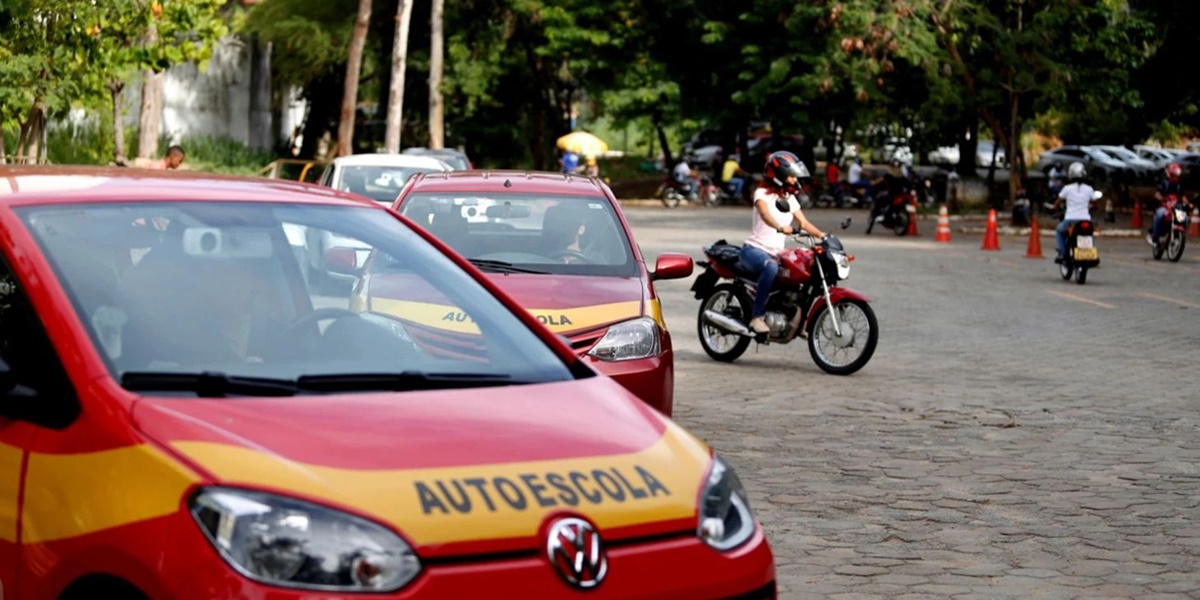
[(221, 155)]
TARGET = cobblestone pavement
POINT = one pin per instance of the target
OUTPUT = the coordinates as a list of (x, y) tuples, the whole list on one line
[(1015, 435)]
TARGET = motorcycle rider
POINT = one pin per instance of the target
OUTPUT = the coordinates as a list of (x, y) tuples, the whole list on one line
[(733, 176), (894, 183), (1077, 195), (1170, 185), (682, 176), (856, 180), (1056, 178), (770, 226)]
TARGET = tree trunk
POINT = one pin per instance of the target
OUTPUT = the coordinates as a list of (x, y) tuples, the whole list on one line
[(150, 114), (345, 138), (395, 106), (115, 88), (260, 137), (3, 150), (436, 65), (1015, 175)]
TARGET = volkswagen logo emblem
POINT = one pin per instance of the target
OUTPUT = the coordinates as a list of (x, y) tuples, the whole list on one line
[(577, 553)]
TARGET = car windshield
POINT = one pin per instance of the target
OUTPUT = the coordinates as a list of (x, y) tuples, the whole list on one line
[(560, 234), (379, 183), (269, 290)]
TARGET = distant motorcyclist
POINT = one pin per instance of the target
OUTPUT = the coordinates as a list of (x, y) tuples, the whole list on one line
[(733, 176), (1171, 185), (1077, 195), (894, 183), (856, 179), (682, 176), (1056, 178)]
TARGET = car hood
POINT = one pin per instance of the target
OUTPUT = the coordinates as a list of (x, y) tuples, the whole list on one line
[(455, 472), (571, 303)]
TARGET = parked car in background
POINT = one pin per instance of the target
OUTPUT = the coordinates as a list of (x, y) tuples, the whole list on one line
[(1143, 169), (562, 248), (944, 155), (457, 159), (984, 152), (706, 149), (1161, 157), (890, 148), (1100, 167), (377, 176)]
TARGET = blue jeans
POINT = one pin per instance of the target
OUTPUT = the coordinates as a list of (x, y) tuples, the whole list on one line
[(756, 260), (1160, 223), (865, 186), (735, 185), (1060, 235)]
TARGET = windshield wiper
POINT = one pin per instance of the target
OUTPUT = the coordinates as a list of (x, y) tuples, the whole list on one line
[(207, 384), (499, 266), (399, 382)]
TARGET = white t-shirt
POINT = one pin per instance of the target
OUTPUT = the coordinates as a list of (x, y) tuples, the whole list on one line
[(763, 236), (855, 174), (1078, 197), (682, 171)]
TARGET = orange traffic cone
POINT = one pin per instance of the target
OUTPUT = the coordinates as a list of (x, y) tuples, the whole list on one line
[(912, 220), (991, 237), (1136, 223), (943, 226), (1035, 241), (1194, 230)]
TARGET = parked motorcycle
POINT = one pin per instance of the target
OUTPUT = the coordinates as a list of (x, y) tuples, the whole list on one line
[(1082, 253), (898, 214), (806, 302), (1173, 241)]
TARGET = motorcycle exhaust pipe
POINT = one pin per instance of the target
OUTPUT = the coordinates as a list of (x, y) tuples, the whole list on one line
[(729, 324)]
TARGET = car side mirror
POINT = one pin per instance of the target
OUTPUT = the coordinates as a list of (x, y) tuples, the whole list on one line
[(672, 265), (341, 260)]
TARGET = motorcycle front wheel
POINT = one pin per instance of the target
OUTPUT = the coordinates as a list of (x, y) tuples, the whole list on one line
[(718, 343), (850, 352), (1175, 246), (670, 197), (900, 222)]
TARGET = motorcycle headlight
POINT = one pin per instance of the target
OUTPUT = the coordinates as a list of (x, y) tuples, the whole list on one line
[(843, 265), (290, 543), (629, 340), (725, 518), (1180, 214)]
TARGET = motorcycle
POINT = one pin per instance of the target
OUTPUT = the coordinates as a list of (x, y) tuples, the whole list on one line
[(806, 303), (1082, 253), (672, 193), (898, 214), (1173, 242)]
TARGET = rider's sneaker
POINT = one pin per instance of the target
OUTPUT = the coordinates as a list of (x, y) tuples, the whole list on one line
[(1150, 240), (1058, 259), (759, 325)]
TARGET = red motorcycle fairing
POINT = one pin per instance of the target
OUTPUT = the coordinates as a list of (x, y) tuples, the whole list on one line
[(836, 294)]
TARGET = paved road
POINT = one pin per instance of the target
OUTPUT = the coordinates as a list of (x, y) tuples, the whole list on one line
[(1015, 435)]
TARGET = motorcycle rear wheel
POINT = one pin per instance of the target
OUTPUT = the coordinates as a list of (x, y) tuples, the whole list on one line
[(670, 198), (1175, 247), (718, 343), (1081, 275), (860, 335)]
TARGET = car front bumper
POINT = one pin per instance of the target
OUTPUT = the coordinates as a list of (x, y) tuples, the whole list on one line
[(652, 379)]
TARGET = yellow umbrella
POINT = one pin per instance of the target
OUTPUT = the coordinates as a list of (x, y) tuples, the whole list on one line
[(582, 142)]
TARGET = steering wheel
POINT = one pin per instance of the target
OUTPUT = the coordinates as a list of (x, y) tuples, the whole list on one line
[(286, 339), (566, 252)]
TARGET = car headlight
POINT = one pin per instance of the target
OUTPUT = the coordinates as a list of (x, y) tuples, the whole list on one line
[(629, 340), (725, 518), (291, 543)]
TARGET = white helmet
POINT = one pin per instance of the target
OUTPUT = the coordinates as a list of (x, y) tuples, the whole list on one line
[(1075, 171)]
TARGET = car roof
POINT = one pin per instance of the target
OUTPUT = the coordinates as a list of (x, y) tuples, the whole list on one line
[(498, 180), (420, 150), (72, 183), (389, 160)]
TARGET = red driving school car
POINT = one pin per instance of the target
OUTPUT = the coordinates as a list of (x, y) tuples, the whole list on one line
[(184, 414), (561, 247)]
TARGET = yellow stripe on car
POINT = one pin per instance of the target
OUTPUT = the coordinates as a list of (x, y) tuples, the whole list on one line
[(484, 502), (68, 495), (453, 318), (10, 491)]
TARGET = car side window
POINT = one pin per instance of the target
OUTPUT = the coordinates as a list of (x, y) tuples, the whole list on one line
[(41, 391)]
